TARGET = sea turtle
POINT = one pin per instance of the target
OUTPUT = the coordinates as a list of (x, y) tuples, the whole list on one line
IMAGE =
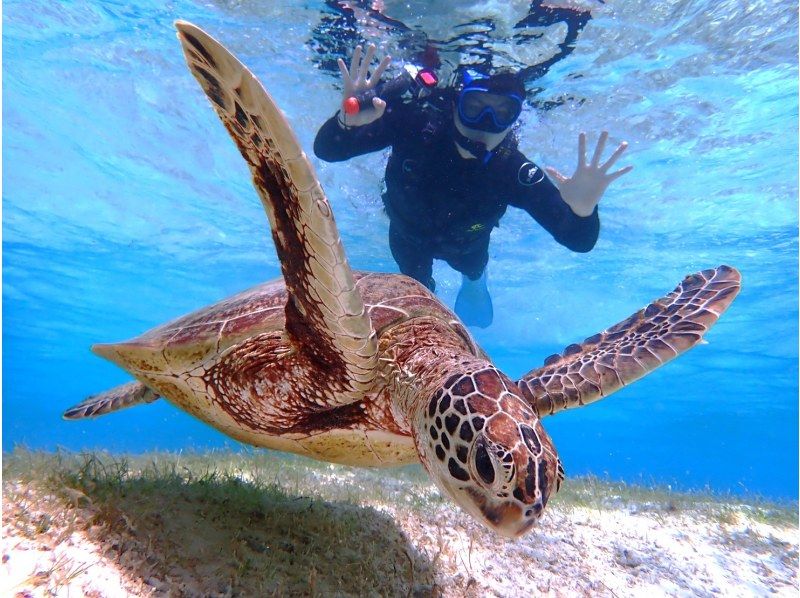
[(372, 369)]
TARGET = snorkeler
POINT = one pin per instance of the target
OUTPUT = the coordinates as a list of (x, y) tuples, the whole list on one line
[(454, 169)]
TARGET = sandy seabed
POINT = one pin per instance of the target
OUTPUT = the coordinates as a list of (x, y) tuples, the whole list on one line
[(254, 524)]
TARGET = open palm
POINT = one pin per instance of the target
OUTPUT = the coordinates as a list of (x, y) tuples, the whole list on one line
[(583, 190), (358, 79)]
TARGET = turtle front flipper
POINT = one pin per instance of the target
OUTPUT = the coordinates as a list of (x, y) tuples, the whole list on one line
[(119, 397), (325, 315), (651, 337)]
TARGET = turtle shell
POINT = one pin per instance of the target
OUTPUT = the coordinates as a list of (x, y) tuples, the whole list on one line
[(185, 343), (234, 366)]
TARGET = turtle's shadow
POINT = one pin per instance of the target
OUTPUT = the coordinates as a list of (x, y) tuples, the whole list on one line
[(222, 537)]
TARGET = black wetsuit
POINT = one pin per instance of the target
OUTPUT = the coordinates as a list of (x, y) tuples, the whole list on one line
[(441, 205)]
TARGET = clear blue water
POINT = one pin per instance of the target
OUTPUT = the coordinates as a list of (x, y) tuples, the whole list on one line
[(125, 204)]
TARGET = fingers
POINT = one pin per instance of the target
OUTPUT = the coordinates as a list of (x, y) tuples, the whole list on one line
[(356, 77), (555, 174), (364, 67), (347, 82), (355, 63), (615, 175), (376, 76), (615, 156), (343, 70), (598, 151), (379, 106), (581, 150)]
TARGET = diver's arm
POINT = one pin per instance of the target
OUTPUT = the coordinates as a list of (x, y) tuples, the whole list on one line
[(346, 135), (568, 209), (335, 142), (530, 190)]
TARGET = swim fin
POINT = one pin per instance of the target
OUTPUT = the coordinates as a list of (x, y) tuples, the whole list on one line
[(473, 303)]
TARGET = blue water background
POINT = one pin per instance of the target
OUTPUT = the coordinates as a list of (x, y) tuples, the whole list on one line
[(125, 204)]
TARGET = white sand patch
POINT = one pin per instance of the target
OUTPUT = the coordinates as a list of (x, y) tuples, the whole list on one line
[(582, 551), (42, 556), (260, 527)]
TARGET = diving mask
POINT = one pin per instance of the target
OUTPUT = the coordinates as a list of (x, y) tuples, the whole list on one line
[(485, 105)]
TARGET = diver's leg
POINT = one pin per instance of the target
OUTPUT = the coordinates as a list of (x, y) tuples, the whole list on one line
[(412, 256), (473, 303)]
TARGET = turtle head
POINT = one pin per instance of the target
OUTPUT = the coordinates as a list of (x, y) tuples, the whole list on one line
[(484, 445)]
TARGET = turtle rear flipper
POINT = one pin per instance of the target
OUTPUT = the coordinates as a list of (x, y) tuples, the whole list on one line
[(651, 337), (119, 397), (325, 315)]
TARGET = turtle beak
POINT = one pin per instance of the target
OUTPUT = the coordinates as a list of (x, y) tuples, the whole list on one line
[(512, 524), (505, 518)]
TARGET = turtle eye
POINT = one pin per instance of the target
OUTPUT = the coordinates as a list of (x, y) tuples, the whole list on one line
[(483, 463)]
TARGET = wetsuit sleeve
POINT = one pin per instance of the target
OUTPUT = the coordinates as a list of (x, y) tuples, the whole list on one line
[(530, 190), (335, 143)]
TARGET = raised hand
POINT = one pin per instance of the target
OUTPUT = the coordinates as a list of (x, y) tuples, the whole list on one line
[(583, 190), (356, 80)]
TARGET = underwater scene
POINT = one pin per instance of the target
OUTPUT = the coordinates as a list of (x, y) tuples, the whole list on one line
[(540, 170)]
